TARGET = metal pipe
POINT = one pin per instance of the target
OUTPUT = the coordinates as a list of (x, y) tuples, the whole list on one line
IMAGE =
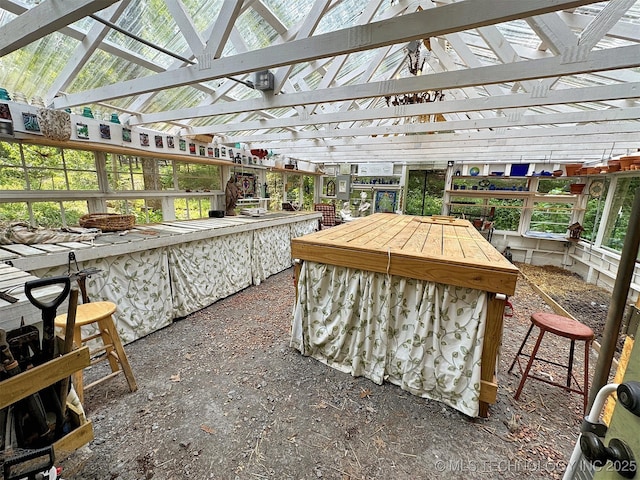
[(618, 301)]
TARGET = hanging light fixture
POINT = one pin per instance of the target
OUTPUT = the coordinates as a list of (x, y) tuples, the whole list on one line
[(415, 59)]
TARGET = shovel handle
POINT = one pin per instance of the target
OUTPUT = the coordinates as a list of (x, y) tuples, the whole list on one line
[(45, 282)]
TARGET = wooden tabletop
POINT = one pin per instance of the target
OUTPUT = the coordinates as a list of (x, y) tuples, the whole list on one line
[(440, 249)]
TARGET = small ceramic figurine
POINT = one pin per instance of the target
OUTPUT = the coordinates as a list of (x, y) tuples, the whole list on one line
[(364, 207)]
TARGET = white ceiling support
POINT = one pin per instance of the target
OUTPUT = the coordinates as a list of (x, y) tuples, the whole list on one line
[(603, 22), (185, 23), (554, 33), (471, 61), (587, 94), (621, 57), (570, 134), (306, 30), (220, 32), (269, 17), (623, 31), (43, 19), (338, 62), (531, 54), (459, 125), (83, 52), (433, 22), (504, 51)]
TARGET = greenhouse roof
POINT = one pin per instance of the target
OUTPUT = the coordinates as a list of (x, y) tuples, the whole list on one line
[(348, 81)]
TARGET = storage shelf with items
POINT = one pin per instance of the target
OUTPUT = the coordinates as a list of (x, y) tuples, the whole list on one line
[(542, 203)]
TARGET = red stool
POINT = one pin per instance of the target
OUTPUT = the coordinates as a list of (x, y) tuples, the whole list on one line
[(563, 327)]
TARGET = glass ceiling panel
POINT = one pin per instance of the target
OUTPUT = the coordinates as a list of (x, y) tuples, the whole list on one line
[(343, 15), (289, 12), (33, 69)]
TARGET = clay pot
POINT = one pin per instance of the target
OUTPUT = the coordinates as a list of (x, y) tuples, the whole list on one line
[(557, 173), (626, 162), (614, 166), (576, 188), (572, 169)]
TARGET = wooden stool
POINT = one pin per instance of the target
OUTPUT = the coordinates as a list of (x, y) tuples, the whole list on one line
[(100, 313), (563, 327)]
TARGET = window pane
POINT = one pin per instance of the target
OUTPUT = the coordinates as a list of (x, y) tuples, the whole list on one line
[(13, 174), (620, 218), (551, 217), (424, 192), (593, 214), (47, 214)]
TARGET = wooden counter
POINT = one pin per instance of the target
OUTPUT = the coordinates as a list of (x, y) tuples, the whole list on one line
[(437, 249)]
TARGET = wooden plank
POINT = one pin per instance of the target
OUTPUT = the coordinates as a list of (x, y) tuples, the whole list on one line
[(379, 237), (431, 269), (6, 255), (50, 247), (491, 344), (29, 382), (401, 240), (433, 243), (489, 391), (75, 245), (23, 250), (73, 440), (450, 244), (416, 243)]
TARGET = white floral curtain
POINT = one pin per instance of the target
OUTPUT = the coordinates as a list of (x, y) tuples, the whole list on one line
[(425, 337), (137, 283), (204, 271), (153, 287)]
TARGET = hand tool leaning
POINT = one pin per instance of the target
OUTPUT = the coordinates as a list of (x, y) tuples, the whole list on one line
[(34, 423)]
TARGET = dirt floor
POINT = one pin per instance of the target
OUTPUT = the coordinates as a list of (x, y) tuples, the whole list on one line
[(223, 396)]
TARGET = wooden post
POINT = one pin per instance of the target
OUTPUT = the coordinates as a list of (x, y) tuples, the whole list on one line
[(490, 349)]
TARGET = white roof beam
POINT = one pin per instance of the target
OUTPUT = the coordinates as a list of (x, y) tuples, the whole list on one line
[(43, 19), (220, 33), (554, 33), (553, 97), (185, 24), (432, 22), (612, 12), (307, 28), (621, 57), (608, 115)]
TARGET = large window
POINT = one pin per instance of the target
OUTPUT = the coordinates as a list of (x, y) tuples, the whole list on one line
[(72, 178), (424, 192), (36, 167)]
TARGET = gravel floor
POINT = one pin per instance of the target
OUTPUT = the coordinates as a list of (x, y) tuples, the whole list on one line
[(223, 396)]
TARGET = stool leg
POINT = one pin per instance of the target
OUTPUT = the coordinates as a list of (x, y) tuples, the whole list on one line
[(525, 374), (122, 356), (77, 377), (570, 366), (106, 328), (521, 347)]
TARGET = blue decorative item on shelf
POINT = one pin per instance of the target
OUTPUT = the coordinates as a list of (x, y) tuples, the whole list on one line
[(519, 169), (474, 171)]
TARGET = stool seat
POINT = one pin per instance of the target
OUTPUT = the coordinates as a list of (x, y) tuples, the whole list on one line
[(99, 313), (88, 313), (562, 326)]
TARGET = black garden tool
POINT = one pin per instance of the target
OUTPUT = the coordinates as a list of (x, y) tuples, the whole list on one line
[(48, 309)]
